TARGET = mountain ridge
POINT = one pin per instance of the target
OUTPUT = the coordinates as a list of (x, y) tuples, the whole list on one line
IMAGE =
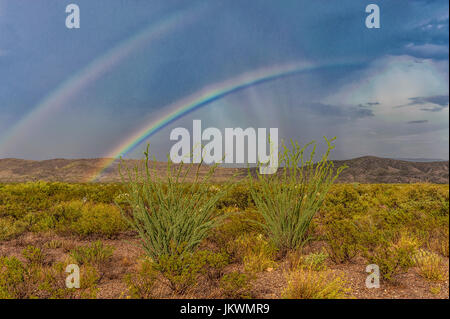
[(364, 169)]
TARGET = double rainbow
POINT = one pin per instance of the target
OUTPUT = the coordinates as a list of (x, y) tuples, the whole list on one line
[(199, 100), (58, 98)]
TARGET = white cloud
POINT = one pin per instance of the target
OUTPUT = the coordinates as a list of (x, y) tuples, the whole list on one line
[(392, 81)]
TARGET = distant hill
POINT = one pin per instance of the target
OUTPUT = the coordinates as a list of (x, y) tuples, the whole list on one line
[(421, 159), (371, 169), (367, 169)]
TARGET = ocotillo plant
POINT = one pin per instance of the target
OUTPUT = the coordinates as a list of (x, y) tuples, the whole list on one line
[(289, 199), (171, 214)]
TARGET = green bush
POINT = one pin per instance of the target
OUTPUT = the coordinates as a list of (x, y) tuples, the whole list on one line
[(249, 247), (50, 282), (100, 219), (94, 254), (10, 228), (167, 212), (393, 258), (213, 264), (82, 218), (236, 285), (315, 261), (140, 285), (181, 270), (239, 196), (12, 278), (34, 255), (258, 253), (289, 199), (31, 280), (19, 199), (236, 224), (342, 237)]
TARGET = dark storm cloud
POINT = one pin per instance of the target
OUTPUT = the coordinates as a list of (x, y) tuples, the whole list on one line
[(440, 102), (369, 104), (328, 110), (432, 109), (241, 36), (418, 122)]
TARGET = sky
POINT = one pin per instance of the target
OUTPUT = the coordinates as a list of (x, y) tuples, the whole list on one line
[(80, 93)]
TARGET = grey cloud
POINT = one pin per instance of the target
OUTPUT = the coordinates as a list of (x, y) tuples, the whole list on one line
[(418, 122), (440, 100), (369, 104), (351, 112), (432, 109)]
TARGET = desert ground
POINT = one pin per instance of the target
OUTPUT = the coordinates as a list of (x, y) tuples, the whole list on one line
[(403, 228)]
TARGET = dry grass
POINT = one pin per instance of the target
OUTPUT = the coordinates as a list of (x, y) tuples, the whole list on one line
[(430, 265), (305, 283)]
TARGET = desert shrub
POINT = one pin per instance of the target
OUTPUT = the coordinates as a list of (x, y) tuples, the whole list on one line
[(80, 217), (259, 254), (89, 278), (54, 244), (181, 270), (213, 264), (306, 283), (19, 280), (169, 213), (315, 261), (253, 250), (430, 265), (17, 200), (439, 242), (50, 282), (11, 228), (239, 196), (294, 259), (236, 224), (258, 262), (59, 218), (236, 285), (12, 278), (141, 284), (342, 239), (393, 258), (435, 290), (360, 218), (443, 247), (34, 255), (101, 219), (288, 200), (94, 254)]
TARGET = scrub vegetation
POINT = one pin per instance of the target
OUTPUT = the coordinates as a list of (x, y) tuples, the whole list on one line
[(295, 234)]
